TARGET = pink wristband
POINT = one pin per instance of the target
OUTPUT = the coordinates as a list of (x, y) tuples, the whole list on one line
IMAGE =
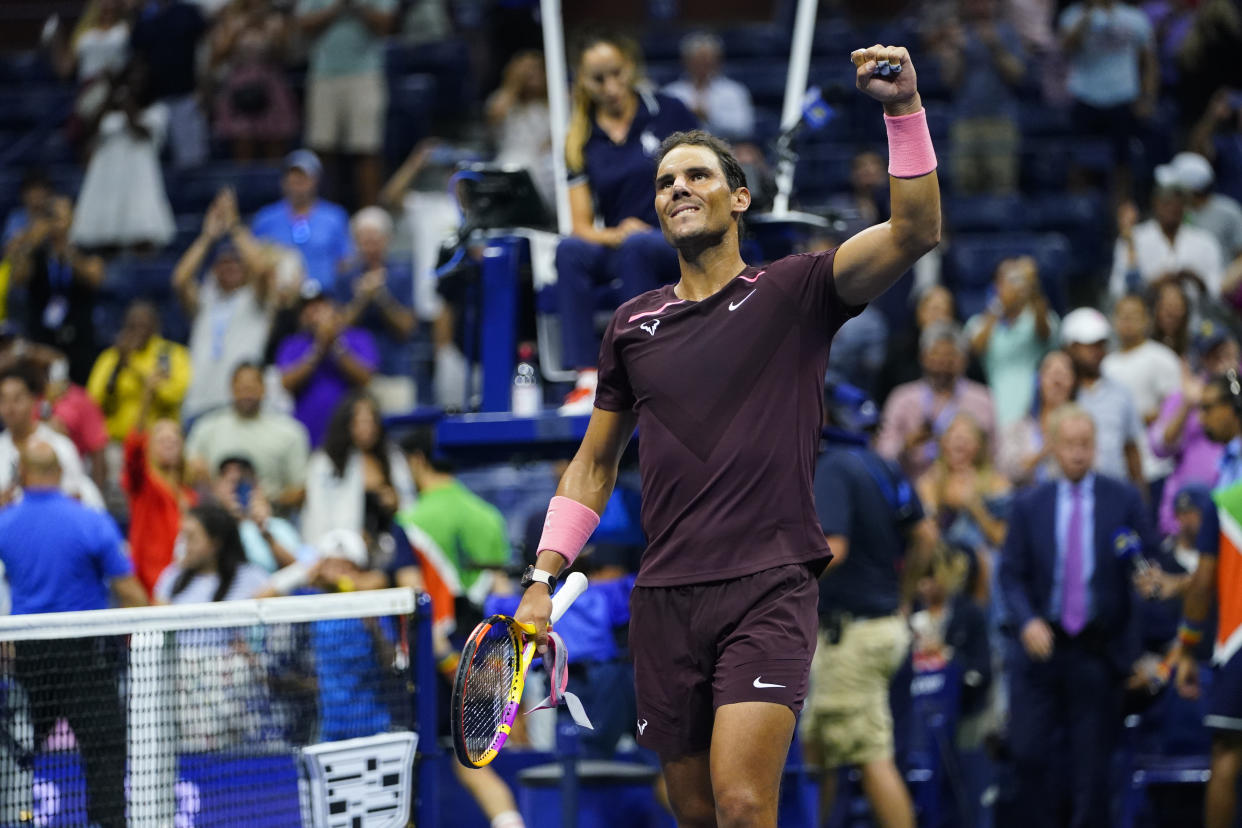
[(910, 151), (567, 528)]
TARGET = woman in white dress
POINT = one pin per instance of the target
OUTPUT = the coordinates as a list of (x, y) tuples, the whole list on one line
[(359, 480), (123, 203), (94, 54)]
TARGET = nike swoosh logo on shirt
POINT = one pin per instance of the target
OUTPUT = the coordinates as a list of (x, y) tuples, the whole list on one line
[(735, 305), (758, 683)]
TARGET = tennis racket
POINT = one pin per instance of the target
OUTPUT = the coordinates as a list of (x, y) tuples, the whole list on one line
[(488, 689)]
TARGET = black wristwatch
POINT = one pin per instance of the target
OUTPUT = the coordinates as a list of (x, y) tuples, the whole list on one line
[(532, 576)]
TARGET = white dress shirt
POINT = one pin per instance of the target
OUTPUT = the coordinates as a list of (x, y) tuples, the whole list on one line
[(1192, 249)]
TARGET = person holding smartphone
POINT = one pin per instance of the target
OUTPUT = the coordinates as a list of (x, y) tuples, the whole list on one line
[(139, 356), (1012, 335), (270, 541)]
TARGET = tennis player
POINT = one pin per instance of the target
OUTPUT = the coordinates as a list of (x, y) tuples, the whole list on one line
[(722, 373)]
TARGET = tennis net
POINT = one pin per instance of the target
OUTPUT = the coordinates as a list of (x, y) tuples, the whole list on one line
[(273, 712)]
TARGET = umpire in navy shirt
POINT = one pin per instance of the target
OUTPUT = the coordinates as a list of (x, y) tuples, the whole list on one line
[(872, 518), (60, 556)]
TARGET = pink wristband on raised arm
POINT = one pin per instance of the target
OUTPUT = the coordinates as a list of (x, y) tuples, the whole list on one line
[(910, 151), (567, 528)]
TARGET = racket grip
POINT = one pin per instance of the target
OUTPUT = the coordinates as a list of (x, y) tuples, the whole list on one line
[(574, 586)]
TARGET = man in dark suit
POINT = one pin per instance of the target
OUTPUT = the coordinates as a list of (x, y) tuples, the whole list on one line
[(1065, 577)]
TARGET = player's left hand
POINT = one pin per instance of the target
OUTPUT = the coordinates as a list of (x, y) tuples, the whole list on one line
[(897, 88)]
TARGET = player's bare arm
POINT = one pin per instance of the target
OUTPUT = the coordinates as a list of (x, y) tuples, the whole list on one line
[(589, 480), (868, 263)]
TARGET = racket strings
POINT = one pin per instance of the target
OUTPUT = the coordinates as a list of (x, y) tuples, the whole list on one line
[(486, 692)]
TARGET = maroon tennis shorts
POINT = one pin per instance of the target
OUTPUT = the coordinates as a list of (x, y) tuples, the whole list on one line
[(700, 646)]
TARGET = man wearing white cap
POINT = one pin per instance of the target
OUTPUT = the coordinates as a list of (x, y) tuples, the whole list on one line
[(1084, 333), (1218, 214), (1163, 244)]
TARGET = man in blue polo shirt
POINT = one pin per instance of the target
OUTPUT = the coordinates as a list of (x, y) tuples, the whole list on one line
[(317, 229), (60, 556)]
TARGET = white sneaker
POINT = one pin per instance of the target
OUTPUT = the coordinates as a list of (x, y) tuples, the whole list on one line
[(582, 399)]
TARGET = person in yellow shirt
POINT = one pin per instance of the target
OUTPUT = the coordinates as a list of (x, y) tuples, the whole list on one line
[(120, 373)]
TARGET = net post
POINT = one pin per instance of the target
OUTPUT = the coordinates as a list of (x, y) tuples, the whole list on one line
[(426, 680), (795, 92), (152, 731), (558, 105)]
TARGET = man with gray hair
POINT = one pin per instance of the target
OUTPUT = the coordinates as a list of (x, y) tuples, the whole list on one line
[(376, 294), (918, 412), (722, 104), (1065, 576)]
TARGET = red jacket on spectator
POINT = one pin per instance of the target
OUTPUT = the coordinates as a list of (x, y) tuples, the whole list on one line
[(154, 512)]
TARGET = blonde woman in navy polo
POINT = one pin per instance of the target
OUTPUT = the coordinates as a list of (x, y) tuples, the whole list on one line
[(615, 129)]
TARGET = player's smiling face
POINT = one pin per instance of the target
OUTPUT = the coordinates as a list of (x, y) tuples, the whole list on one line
[(693, 199)]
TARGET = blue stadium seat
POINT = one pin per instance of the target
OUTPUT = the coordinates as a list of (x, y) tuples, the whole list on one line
[(756, 41), (25, 67), (26, 106), (969, 214), (192, 191), (1083, 218), (1038, 119), (447, 62), (823, 170), (51, 147), (189, 226), (1046, 162), (661, 43), (833, 38), (66, 179), (971, 262), (10, 182), (767, 123), (663, 72), (764, 78), (131, 278), (411, 101)]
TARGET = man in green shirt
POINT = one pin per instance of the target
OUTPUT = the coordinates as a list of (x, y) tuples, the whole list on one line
[(467, 531), (462, 536)]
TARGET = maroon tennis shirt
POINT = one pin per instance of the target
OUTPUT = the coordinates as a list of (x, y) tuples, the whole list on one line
[(729, 397)]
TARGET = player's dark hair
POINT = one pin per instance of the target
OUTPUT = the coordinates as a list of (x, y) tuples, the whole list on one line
[(221, 529), (734, 175), (422, 442)]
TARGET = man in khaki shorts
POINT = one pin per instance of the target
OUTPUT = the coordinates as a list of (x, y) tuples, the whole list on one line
[(870, 516), (346, 94)]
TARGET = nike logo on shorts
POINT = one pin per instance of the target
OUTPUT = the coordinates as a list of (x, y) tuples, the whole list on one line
[(759, 683), (735, 305)]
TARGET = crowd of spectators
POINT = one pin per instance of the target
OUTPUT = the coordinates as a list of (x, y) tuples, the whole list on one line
[(236, 459)]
